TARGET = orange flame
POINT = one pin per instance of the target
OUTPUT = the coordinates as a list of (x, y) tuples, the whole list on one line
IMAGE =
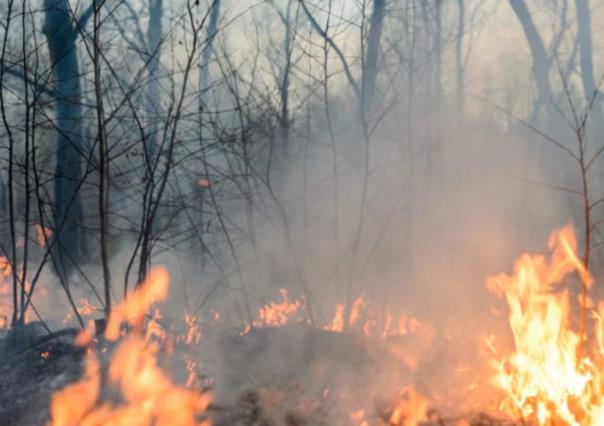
[(193, 334), (545, 380), (133, 309), (278, 314), (72, 403), (337, 324), (358, 418), (149, 396), (6, 271), (43, 233), (361, 318), (411, 409)]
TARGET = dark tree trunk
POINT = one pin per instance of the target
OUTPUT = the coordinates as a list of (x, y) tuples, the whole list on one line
[(373, 50), (206, 53), (154, 39), (61, 35), (284, 89)]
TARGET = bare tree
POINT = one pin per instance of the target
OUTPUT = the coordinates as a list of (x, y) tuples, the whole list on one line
[(153, 104), (374, 36), (459, 66), (541, 62), (590, 89), (61, 31)]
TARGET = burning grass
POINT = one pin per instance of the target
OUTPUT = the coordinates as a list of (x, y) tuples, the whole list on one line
[(552, 377), (361, 367), (143, 393)]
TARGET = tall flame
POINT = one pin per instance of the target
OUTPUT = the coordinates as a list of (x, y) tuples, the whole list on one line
[(547, 380), (148, 395)]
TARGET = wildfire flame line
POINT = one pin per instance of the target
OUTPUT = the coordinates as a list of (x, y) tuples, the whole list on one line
[(546, 380), (148, 396)]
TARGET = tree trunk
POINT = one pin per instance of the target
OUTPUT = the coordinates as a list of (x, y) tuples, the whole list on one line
[(459, 67), (590, 88), (67, 211), (284, 89), (541, 63), (373, 50), (153, 105), (439, 51), (204, 72)]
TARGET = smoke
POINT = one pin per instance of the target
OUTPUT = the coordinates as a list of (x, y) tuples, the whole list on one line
[(411, 201), (413, 209)]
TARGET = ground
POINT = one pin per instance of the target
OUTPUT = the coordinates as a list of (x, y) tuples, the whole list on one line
[(274, 376)]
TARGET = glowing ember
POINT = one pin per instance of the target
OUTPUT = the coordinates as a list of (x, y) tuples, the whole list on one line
[(203, 182), (148, 396), (545, 380)]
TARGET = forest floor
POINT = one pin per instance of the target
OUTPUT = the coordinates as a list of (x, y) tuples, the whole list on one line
[(32, 368), (288, 376)]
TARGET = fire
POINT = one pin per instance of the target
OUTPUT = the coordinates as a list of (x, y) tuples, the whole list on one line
[(411, 409), (85, 309), (72, 404), (6, 271), (549, 379), (193, 333), (134, 307), (363, 319), (43, 233), (5, 303), (337, 324), (5, 292), (278, 314), (148, 395), (155, 336), (203, 182), (358, 418)]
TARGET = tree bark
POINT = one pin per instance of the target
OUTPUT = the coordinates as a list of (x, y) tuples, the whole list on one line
[(590, 88), (439, 50), (206, 52), (153, 104), (284, 89), (67, 211), (541, 62), (459, 67), (373, 50)]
